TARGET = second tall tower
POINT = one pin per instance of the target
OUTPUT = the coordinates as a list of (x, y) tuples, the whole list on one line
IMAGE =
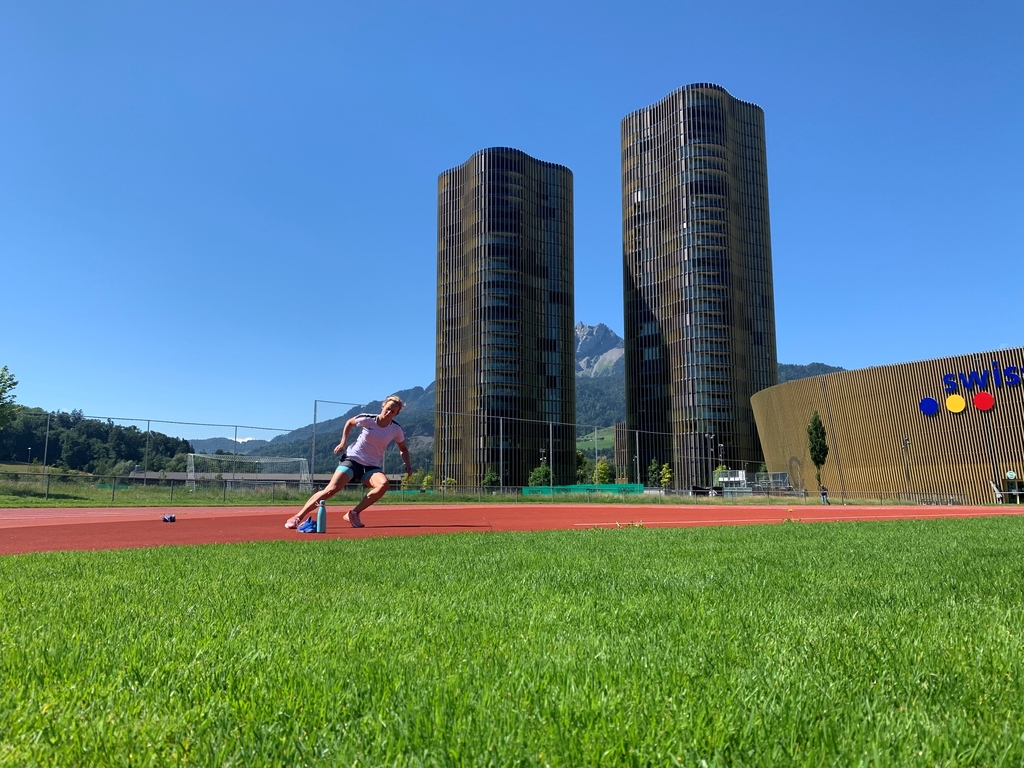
[(697, 272)]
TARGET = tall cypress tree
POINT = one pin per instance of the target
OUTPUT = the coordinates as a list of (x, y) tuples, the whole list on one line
[(817, 445)]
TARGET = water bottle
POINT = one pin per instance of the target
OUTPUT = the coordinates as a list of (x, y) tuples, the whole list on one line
[(321, 518)]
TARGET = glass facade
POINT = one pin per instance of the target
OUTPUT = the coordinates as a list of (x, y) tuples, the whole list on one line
[(506, 387), (697, 272)]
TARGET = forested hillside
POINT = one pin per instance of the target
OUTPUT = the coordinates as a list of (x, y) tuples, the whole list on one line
[(789, 372), (600, 401), (89, 445)]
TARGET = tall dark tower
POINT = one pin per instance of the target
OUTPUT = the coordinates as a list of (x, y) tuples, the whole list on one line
[(506, 386), (697, 272)]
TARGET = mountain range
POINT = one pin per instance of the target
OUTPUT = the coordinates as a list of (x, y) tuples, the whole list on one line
[(600, 400)]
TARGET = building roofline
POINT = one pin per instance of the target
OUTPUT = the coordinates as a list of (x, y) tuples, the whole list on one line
[(692, 87), (508, 151), (984, 353)]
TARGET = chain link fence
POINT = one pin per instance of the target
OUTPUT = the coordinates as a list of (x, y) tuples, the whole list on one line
[(73, 457)]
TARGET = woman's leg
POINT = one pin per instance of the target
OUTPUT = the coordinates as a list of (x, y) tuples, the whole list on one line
[(378, 485), (339, 480)]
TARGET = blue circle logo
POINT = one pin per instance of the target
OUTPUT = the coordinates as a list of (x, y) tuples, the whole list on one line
[(929, 406)]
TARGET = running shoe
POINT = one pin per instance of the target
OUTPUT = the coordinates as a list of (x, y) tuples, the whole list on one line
[(168, 518), (308, 526), (293, 522), (352, 518)]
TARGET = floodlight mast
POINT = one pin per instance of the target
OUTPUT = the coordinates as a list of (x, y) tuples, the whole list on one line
[(710, 437)]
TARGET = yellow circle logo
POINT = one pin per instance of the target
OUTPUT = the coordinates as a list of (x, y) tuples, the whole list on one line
[(955, 403)]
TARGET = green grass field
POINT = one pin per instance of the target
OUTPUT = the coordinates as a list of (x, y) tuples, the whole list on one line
[(894, 643), (605, 440)]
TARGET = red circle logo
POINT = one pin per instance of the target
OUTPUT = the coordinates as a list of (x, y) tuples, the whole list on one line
[(983, 401)]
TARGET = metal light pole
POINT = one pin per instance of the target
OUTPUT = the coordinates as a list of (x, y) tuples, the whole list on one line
[(906, 464), (46, 443), (543, 459), (145, 469), (636, 458), (711, 458), (551, 453)]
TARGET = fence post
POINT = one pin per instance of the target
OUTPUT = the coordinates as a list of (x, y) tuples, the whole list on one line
[(171, 482), (46, 446), (312, 449), (224, 490), (551, 458), (113, 485), (145, 467), (47, 485)]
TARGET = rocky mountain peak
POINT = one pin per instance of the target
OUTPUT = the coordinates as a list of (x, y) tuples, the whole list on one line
[(599, 351)]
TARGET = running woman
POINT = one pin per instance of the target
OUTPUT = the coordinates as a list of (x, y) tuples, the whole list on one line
[(361, 462)]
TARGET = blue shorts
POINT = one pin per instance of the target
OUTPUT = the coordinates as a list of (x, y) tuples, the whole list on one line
[(355, 470)]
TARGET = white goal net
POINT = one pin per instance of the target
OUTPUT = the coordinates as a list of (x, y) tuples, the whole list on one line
[(248, 470)]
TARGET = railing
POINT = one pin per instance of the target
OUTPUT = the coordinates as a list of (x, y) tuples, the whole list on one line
[(124, 490), (71, 489)]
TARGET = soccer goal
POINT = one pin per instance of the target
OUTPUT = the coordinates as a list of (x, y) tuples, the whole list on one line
[(248, 470)]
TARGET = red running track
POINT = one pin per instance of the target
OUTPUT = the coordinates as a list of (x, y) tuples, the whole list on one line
[(43, 530)]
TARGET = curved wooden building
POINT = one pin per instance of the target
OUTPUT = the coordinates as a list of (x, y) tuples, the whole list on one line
[(949, 430)]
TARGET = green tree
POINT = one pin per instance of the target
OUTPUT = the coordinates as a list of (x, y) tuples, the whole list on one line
[(177, 463), (75, 451), (604, 472), (428, 481), (8, 410), (653, 474), (491, 479), (584, 468), (415, 480), (817, 445), (666, 476), (540, 475)]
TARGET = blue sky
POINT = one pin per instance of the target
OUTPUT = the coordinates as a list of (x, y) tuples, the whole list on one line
[(221, 211)]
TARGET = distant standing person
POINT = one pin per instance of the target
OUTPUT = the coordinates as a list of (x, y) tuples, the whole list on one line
[(824, 496), (362, 462)]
